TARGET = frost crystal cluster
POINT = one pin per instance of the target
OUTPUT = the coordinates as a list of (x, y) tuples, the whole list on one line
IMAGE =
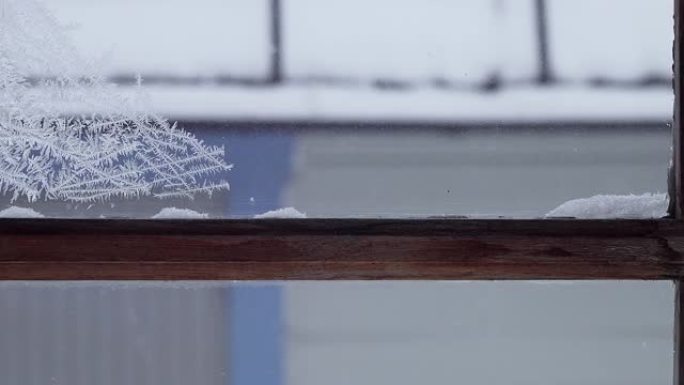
[(116, 150)]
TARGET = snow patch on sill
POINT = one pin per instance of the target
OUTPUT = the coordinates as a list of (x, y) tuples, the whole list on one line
[(287, 212), (644, 206), (176, 213), (20, 212)]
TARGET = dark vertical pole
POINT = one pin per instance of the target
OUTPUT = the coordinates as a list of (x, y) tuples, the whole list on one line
[(677, 171), (276, 73), (545, 76), (677, 194)]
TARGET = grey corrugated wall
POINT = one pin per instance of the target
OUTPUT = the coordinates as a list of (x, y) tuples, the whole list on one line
[(107, 334)]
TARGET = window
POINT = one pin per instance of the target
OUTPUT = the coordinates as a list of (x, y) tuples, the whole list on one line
[(419, 147), (447, 108)]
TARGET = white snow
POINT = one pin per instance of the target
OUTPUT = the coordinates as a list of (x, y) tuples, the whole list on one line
[(287, 212), (170, 37), (463, 40), (20, 212), (176, 213), (614, 206), (301, 102), (618, 39), (406, 40)]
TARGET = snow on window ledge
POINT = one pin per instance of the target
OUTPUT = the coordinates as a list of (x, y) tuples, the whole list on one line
[(644, 206), (176, 213), (287, 212), (20, 212)]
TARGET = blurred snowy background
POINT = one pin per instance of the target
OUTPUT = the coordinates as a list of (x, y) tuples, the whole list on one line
[(410, 43), (397, 107)]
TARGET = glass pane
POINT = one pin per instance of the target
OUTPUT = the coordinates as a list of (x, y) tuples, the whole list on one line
[(323, 108), (336, 333)]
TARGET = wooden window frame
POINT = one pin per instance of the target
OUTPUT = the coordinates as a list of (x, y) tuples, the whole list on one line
[(332, 249)]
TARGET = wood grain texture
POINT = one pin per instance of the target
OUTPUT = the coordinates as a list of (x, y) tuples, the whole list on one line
[(52, 249)]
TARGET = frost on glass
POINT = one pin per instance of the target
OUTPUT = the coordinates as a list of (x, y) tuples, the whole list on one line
[(119, 150)]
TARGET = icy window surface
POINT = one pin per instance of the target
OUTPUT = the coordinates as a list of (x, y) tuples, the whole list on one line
[(480, 108), (117, 149)]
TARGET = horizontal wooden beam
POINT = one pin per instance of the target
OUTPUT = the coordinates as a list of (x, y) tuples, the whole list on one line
[(330, 249)]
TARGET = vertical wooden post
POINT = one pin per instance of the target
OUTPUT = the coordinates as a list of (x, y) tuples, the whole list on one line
[(276, 43), (545, 75), (676, 193)]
